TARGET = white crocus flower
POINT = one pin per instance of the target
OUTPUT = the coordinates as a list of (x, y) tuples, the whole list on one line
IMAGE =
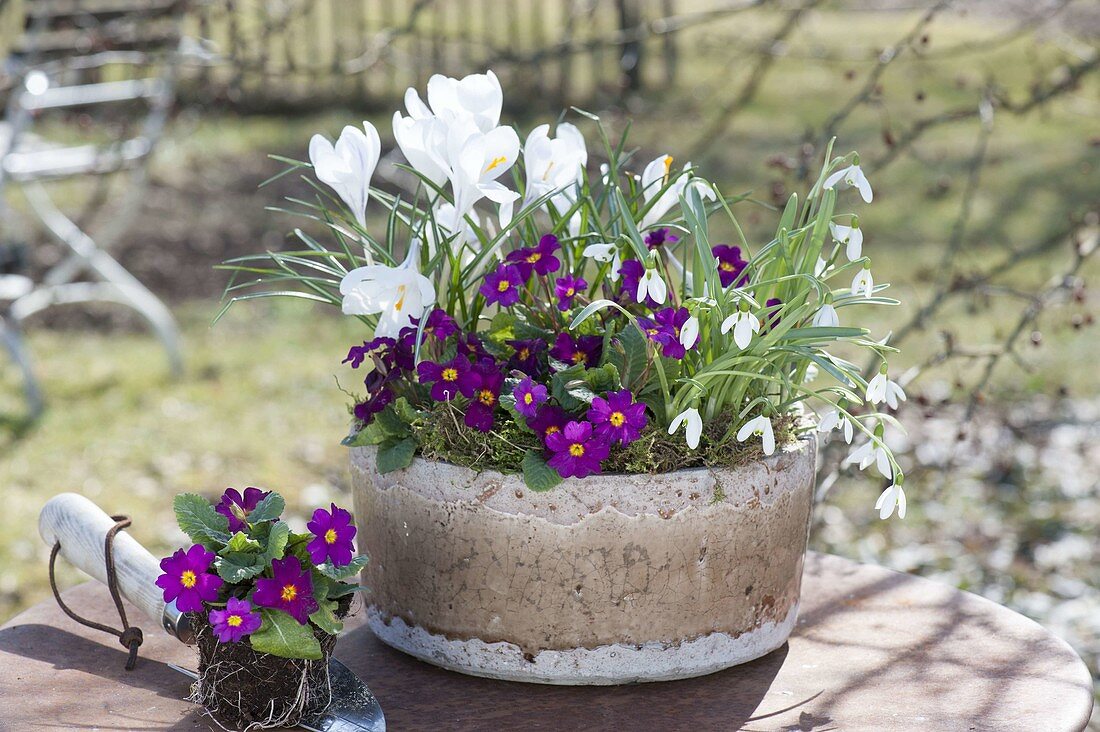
[(834, 419), (397, 294), (450, 224), (882, 389), (891, 497), (655, 178), (554, 164), (694, 426), (872, 452), (744, 324), (689, 333), (477, 159), (347, 166), (826, 317), (605, 253), (851, 237), (760, 427), (863, 282), (651, 285), (852, 176), (477, 97), (423, 141)]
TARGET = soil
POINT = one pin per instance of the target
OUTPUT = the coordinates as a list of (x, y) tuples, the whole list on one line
[(243, 689)]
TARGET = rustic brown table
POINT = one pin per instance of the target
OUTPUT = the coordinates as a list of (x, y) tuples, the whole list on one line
[(873, 650)]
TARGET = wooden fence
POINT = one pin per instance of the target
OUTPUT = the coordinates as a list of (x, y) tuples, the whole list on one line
[(282, 54)]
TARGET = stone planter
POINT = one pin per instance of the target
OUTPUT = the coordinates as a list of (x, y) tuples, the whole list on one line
[(611, 579)]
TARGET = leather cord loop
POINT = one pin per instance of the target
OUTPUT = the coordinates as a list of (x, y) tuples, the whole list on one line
[(130, 637)]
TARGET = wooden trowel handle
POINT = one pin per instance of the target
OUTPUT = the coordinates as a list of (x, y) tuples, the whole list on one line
[(81, 528)]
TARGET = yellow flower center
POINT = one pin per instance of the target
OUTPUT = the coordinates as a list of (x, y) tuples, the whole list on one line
[(496, 161), (534, 257), (668, 168), (725, 267), (487, 397), (580, 357), (330, 536), (528, 398), (570, 292), (652, 331), (617, 419), (289, 593), (188, 579), (450, 374), (552, 429), (233, 621), (524, 354), (402, 290), (503, 286), (576, 449)]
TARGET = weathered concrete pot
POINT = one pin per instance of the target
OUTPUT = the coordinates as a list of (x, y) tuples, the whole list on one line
[(611, 579)]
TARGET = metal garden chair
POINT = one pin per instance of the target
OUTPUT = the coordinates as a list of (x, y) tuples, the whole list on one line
[(111, 64)]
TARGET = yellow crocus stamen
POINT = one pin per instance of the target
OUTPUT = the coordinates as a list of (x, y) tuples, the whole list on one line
[(668, 168), (402, 290), (496, 161), (548, 169)]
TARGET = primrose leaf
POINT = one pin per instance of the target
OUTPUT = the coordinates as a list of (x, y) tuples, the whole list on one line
[(268, 509), (324, 617), (198, 519), (538, 476), (276, 541), (396, 454), (340, 589), (238, 566), (240, 542), (282, 635), (348, 570)]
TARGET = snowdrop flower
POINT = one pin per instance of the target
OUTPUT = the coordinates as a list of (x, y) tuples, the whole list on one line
[(826, 316), (654, 179), (651, 285), (892, 496), (882, 389), (347, 166), (744, 324), (605, 253), (872, 452), (851, 236), (834, 419), (689, 332), (812, 372), (863, 282), (554, 164), (397, 294), (821, 268), (852, 176), (760, 427), (694, 426)]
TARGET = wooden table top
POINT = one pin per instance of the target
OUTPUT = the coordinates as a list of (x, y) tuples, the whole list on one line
[(873, 650)]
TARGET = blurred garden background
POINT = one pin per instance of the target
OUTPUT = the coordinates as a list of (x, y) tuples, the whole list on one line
[(978, 124)]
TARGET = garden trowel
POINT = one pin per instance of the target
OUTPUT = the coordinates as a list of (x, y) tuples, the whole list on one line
[(81, 527)]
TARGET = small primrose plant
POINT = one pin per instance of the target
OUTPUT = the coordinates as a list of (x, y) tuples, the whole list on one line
[(576, 323), (254, 579)]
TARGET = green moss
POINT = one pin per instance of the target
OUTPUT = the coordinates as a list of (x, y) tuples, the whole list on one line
[(443, 436)]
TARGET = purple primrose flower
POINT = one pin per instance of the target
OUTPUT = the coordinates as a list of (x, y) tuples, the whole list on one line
[(479, 413), (585, 349), (730, 265), (566, 288), (660, 237), (772, 308), (548, 420), (618, 418), (577, 451), (527, 356), (333, 534), (290, 589), (631, 273), (502, 286), (539, 259), (186, 579), (234, 622), (450, 379), (245, 504), (664, 329), (529, 397)]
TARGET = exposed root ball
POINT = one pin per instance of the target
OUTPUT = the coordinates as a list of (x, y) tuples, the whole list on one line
[(245, 690)]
